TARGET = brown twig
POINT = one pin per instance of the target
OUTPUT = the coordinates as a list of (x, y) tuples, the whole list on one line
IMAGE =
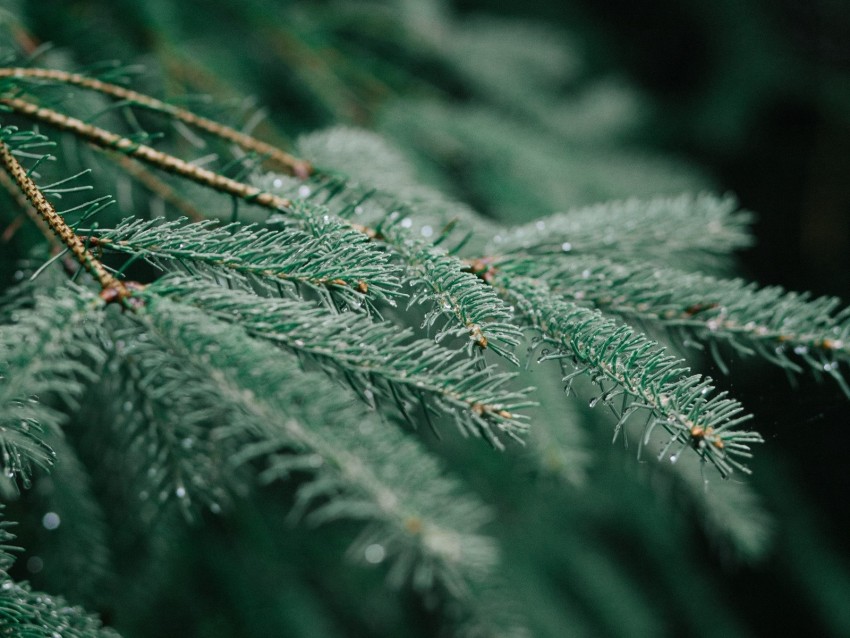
[(292, 165), (169, 163), (25, 205), (113, 289)]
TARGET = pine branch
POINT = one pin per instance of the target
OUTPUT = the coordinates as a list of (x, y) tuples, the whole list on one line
[(302, 423), (46, 352), (163, 417), (377, 358), (730, 512), (112, 289), (785, 328), (639, 376), (158, 159), (379, 189), (668, 229), (290, 164), (11, 187), (331, 256)]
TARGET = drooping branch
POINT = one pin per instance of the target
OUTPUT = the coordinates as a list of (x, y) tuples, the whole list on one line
[(169, 163), (292, 165)]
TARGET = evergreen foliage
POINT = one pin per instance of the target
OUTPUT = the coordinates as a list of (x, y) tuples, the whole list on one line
[(213, 340)]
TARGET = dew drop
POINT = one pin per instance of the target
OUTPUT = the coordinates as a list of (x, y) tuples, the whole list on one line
[(427, 231), (592, 403), (277, 183), (541, 225), (8, 584), (374, 553), (35, 564), (406, 222), (304, 191), (358, 210), (51, 520), (180, 491), (299, 343), (215, 508), (566, 246), (674, 458)]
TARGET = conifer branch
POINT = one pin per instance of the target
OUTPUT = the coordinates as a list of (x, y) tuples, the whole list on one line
[(639, 376), (29, 211), (359, 176), (374, 357), (112, 288), (46, 352), (163, 419), (783, 327), (680, 228), (287, 162), (163, 161), (443, 281), (301, 422), (331, 256)]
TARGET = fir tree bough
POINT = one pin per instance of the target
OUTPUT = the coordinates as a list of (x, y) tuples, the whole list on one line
[(197, 317)]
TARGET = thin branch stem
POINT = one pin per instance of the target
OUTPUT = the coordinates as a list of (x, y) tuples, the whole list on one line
[(169, 163), (24, 204), (292, 165), (113, 289)]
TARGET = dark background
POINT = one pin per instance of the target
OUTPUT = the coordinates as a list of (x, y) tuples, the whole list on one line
[(758, 93)]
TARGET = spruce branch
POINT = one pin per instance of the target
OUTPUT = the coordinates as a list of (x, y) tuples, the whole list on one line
[(416, 517), (331, 255), (679, 228), (359, 176), (639, 375), (47, 353), (11, 187), (163, 416), (785, 328), (112, 288), (287, 162), (377, 358), (158, 159)]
